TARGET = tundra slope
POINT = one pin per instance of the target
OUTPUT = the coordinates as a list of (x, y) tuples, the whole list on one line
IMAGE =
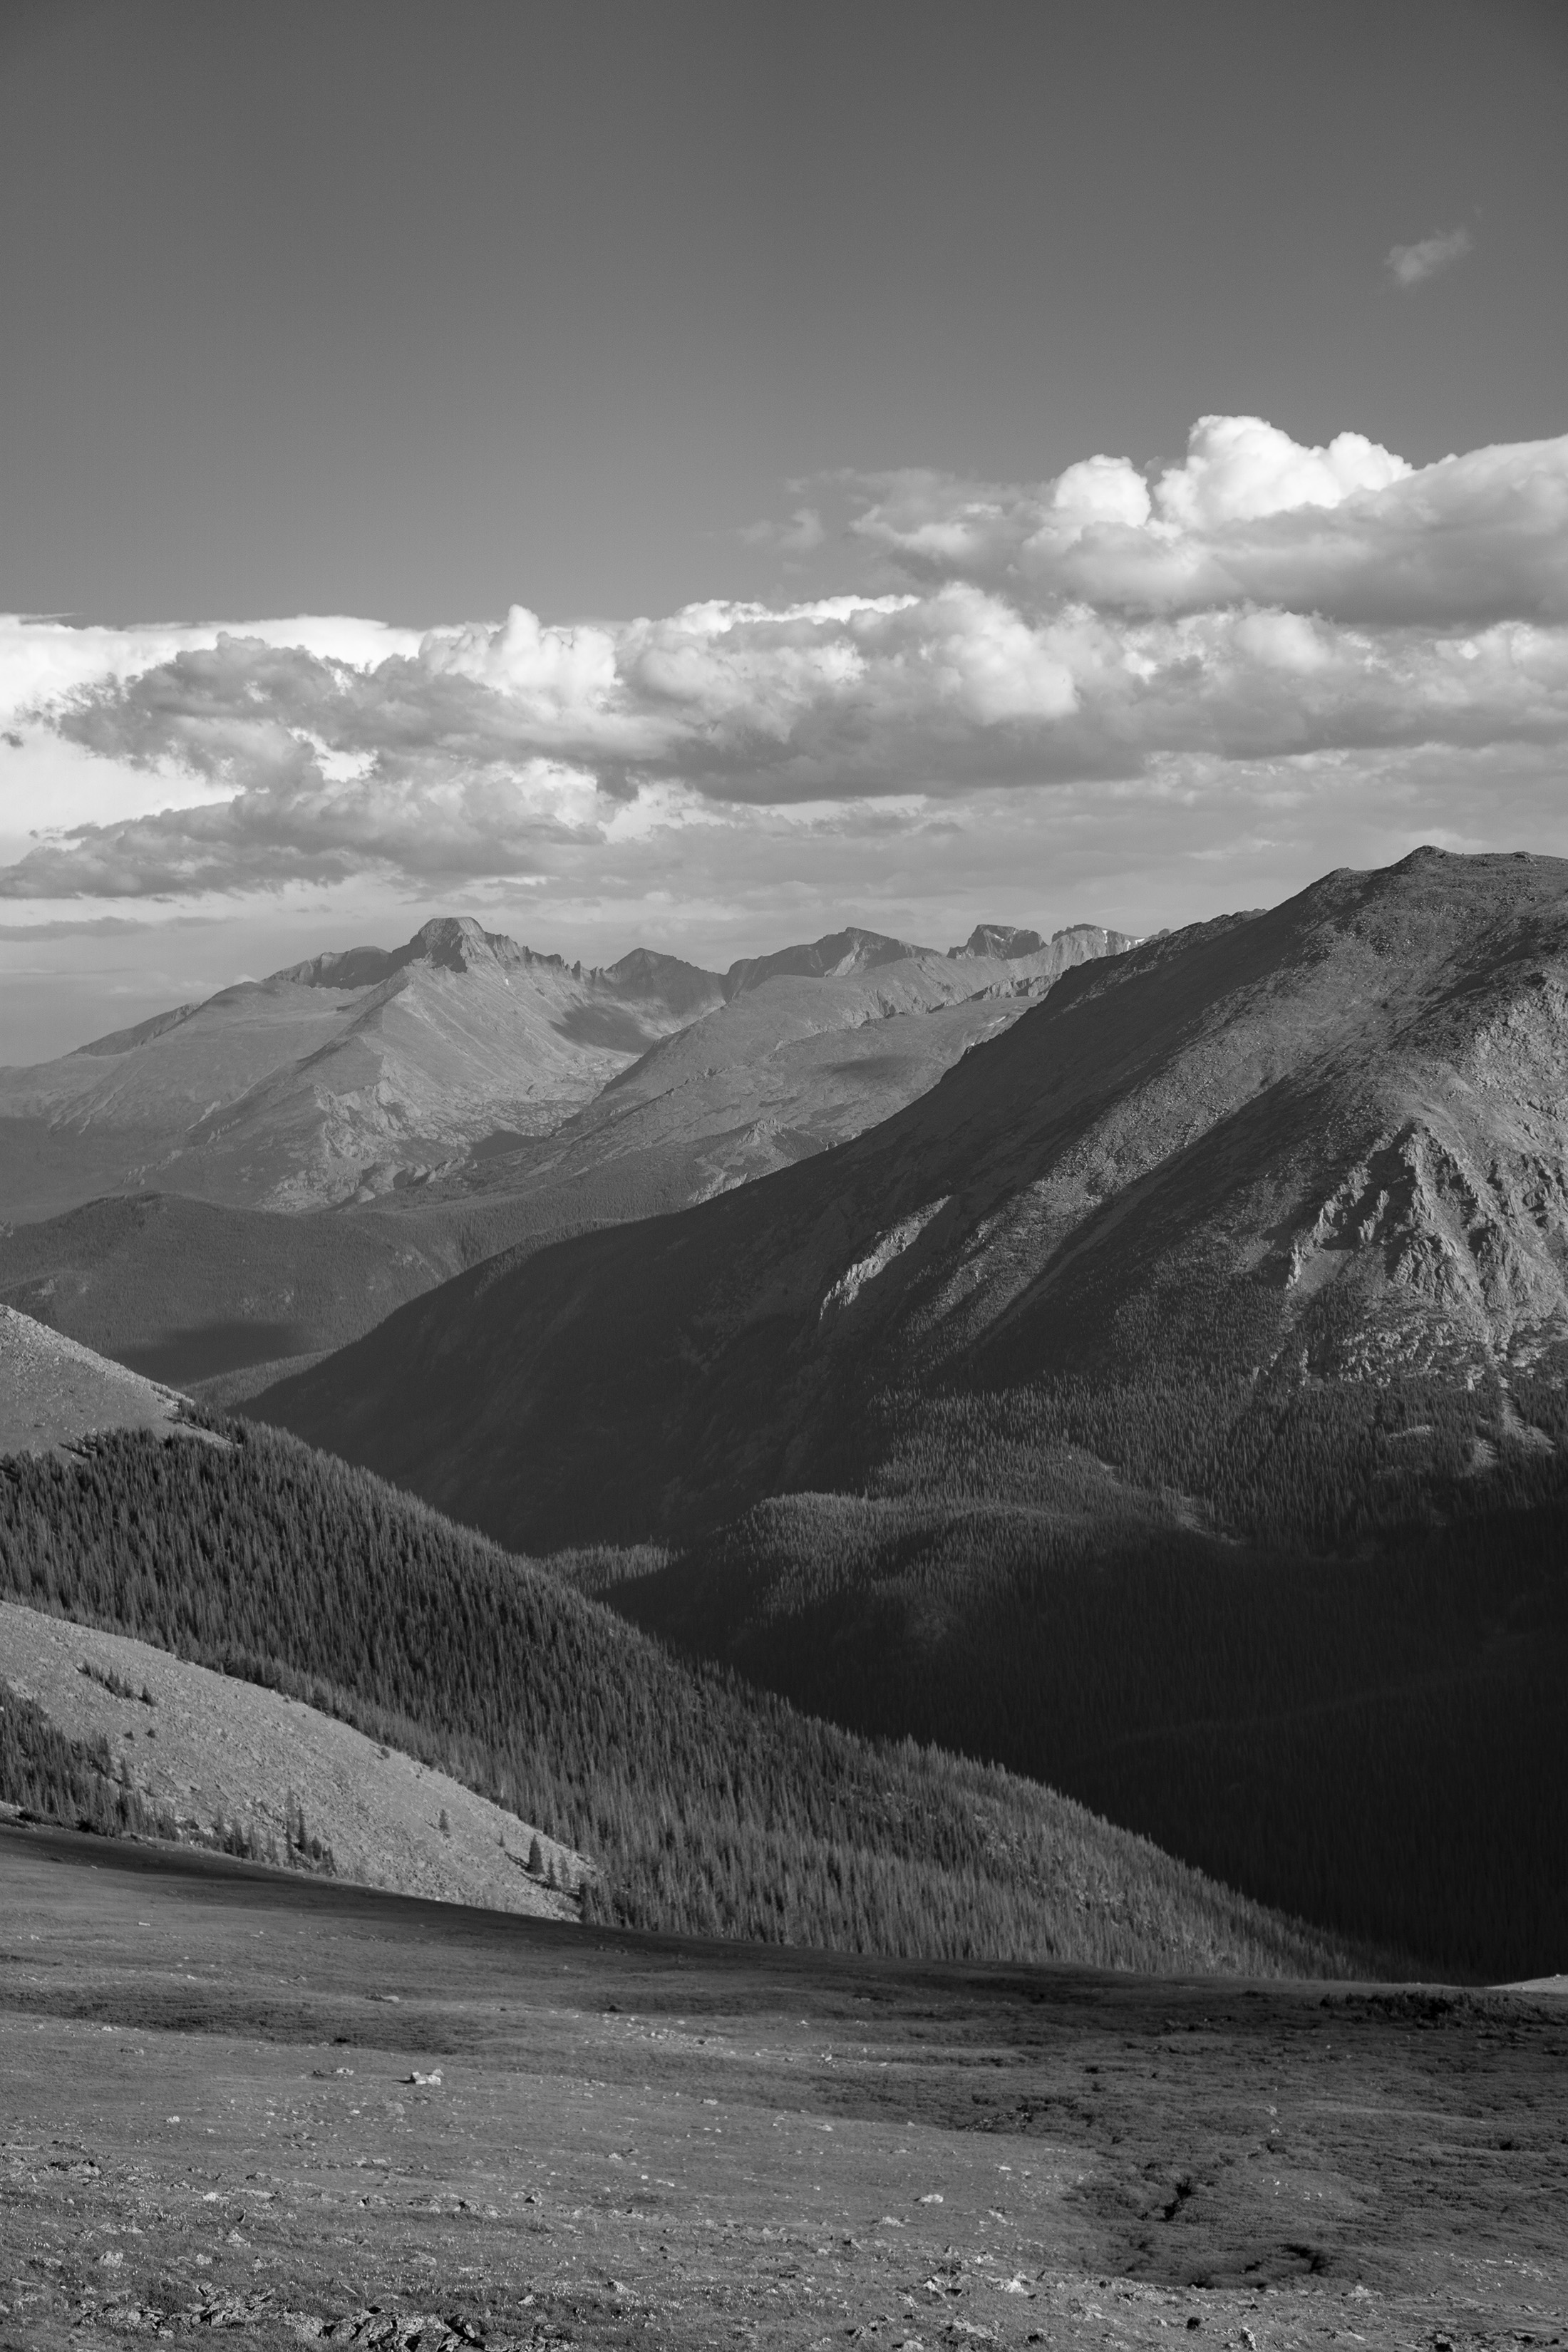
[(638, 2142), (209, 1754), (54, 1392), (1323, 1141)]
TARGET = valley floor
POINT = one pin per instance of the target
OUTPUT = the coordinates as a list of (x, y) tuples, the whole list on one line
[(290, 2109)]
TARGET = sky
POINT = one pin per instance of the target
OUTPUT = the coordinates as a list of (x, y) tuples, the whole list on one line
[(694, 476)]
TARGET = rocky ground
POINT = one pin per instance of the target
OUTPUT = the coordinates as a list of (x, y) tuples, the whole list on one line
[(297, 2111), (217, 1751)]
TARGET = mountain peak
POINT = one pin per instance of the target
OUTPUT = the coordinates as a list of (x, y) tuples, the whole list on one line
[(1000, 940), (446, 942), (685, 988), (458, 943), (1078, 943), (839, 955)]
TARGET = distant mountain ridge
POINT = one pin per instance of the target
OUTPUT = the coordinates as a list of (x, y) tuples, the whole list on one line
[(851, 953), (454, 1097), (1002, 939), (356, 1072), (194, 1290), (351, 1074)]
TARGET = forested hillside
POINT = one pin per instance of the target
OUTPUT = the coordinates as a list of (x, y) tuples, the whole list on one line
[(1314, 1641), (710, 1807)]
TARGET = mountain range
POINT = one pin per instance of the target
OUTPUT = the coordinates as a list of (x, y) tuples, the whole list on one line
[(420, 1072), (345, 1075), (1326, 1140), (1169, 1404), (1141, 1366)]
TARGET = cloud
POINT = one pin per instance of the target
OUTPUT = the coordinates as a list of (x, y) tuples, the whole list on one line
[(1349, 530), (43, 658), (1239, 470), (1261, 601), (109, 926), (803, 534), (1412, 265)]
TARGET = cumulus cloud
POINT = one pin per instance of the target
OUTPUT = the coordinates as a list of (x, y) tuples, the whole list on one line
[(43, 658), (1412, 265), (1250, 516), (1261, 601)]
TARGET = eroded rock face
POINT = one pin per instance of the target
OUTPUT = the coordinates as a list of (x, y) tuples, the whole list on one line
[(1458, 1245)]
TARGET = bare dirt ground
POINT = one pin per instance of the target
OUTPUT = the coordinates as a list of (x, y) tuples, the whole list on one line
[(212, 1749), (221, 2110)]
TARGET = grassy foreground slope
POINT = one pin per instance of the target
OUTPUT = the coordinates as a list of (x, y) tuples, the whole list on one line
[(710, 1808)]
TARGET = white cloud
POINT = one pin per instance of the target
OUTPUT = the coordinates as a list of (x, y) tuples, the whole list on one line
[(1240, 468), (1251, 516), (1097, 490), (43, 658), (1261, 602), (1412, 265)]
